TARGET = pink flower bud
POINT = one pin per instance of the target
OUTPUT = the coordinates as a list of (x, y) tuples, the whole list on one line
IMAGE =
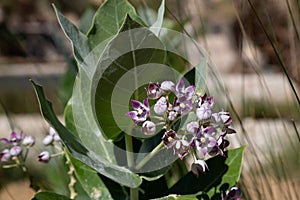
[(44, 157), (28, 141), (15, 150)]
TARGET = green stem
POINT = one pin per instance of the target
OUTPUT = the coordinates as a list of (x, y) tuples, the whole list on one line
[(129, 150), (134, 193), (149, 156)]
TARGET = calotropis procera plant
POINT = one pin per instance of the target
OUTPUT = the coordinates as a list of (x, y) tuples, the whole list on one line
[(115, 156)]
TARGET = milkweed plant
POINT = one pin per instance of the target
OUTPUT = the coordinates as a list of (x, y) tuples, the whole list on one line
[(139, 113)]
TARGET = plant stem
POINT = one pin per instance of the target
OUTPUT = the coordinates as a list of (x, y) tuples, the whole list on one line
[(149, 156), (134, 193), (129, 150)]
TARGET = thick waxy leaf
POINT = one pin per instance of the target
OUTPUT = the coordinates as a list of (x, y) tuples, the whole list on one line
[(128, 54), (90, 181), (79, 41), (221, 171), (80, 152), (49, 196), (108, 20)]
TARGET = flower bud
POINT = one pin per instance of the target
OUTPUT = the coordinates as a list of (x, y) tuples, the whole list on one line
[(5, 156), (204, 112), (28, 141), (190, 127), (198, 167), (44, 157), (234, 194), (15, 150), (172, 115), (154, 91), (56, 138), (161, 106), (52, 131), (148, 128), (48, 140), (167, 86)]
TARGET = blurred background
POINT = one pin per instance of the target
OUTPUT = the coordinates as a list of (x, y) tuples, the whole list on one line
[(254, 46)]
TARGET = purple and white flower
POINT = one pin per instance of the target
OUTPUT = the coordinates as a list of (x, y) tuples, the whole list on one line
[(221, 119), (204, 107), (170, 138), (154, 91), (203, 140), (182, 91), (181, 148), (183, 105), (141, 111), (14, 139)]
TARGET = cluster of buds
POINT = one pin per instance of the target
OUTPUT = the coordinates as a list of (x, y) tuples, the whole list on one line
[(16, 148), (49, 140), (203, 134)]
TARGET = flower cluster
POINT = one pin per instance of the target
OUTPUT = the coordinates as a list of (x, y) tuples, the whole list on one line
[(202, 131), (16, 148)]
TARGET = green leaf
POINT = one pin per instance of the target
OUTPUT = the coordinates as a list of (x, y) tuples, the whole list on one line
[(80, 152), (221, 171), (234, 163), (78, 39), (108, 20), (156, 27), (133, 53), (49, 196), (200, 75), (90, 181), (86, 20)]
